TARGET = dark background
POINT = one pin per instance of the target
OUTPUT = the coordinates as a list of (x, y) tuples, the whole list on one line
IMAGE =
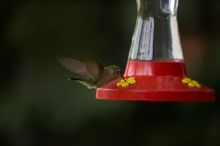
[(38, 106)]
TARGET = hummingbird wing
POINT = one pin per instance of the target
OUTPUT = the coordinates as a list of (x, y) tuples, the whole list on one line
[(90, 71), (95, 68), (73, 65)]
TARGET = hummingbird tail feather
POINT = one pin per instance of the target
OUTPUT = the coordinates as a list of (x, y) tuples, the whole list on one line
[(73, 79)]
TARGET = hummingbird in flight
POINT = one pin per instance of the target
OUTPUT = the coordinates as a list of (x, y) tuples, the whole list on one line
[(90, 73)]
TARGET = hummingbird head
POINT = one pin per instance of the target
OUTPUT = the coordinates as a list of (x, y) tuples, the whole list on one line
[(115, 70)]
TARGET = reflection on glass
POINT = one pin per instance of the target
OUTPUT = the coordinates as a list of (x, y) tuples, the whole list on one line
[(156, 34)]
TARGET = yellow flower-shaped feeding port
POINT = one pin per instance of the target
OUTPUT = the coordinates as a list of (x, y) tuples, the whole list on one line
[(191, 83), (125, 83)]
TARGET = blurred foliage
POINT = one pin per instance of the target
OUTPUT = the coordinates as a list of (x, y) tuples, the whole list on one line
[(38, 106)]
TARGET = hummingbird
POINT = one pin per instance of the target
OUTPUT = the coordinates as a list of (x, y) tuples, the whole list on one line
[(90, 73)]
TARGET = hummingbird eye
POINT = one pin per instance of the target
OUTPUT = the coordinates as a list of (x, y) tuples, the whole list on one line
[(119, 70)]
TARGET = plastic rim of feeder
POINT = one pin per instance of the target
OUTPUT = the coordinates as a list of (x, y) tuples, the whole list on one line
[(163, 82), (156, 60)]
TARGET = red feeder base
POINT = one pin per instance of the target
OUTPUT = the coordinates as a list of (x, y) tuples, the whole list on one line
[(156, 81)]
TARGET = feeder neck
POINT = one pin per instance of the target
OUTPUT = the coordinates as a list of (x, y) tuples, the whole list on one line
[(156, 34)]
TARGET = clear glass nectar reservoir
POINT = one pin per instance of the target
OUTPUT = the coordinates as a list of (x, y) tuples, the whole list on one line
[(156, 34)]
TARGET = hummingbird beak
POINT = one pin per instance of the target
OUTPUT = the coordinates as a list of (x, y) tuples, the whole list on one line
[(122, 76)]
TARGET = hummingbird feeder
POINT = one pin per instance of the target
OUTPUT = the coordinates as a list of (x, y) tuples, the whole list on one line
[(156, 69)]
